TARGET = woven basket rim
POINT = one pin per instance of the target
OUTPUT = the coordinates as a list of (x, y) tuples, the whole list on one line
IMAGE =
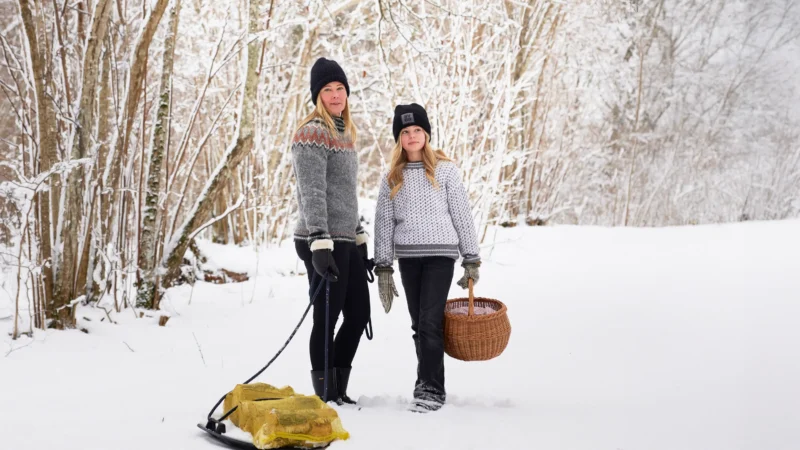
[(476, 299), (463, 317)]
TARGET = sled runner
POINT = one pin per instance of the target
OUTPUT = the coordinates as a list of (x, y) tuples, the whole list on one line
[(227, 440)]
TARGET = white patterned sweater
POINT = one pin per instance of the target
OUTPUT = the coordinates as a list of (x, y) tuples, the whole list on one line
[(422, 220)]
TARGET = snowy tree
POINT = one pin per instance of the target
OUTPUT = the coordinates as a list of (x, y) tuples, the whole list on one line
[(125, 137)]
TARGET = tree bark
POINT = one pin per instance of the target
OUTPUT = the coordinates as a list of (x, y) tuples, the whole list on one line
[(66, 277), (48, 150), (87, 118), (103, 134), (146, 293), (236, 152), (133, 93)]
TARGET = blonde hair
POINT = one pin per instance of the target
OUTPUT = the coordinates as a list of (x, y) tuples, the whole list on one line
[(321, 113), (399, 159)]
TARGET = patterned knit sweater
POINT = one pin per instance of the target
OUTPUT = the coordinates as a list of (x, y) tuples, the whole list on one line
[(425, 221), (326, 167)]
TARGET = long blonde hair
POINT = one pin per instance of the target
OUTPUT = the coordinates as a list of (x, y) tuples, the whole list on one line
[(399, 159), (321, 113)]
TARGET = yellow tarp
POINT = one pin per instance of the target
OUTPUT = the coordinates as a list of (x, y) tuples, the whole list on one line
[(291, 420), (250, 392)]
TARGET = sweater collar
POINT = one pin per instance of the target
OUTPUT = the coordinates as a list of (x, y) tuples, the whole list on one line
[(415, 165), (339, 121)]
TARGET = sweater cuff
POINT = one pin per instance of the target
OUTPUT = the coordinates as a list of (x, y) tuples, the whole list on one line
[(384, 269), (471, 259), (322, 244)]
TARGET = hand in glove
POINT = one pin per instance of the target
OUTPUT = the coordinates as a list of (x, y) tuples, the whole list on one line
[(322, 260), (470, 271), (386, 287)]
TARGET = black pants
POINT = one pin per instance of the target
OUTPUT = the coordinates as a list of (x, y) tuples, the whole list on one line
[(349, 296), (426, 282)]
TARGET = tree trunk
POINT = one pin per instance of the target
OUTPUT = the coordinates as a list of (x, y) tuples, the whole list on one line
[(236, 152), (66, 277), (87, 119), (147, 246), (103, 133), (48, 151), (63, 53), (133, 92)]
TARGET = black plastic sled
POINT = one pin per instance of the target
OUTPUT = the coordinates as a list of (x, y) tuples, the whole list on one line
[(216, 429), (227, 440), (238, 443)]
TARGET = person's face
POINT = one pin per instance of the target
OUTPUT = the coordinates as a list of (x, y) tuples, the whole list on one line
[(334, 97), (412, 138)]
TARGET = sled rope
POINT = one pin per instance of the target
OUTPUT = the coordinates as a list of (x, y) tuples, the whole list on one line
[(327, 326), (214, 424)]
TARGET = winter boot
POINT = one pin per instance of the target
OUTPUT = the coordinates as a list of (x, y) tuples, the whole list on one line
[(419, 405), (342, 377), (427, 399), (318, 380)]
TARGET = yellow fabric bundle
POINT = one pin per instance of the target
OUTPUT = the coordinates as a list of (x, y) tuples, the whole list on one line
[(250, 392), (289, 420)]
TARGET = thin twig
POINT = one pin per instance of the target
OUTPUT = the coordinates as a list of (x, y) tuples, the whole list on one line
[(12, 350), (107, 314), (199, 349)]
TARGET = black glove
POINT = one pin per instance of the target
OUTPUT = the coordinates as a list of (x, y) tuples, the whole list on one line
[(323, 263)]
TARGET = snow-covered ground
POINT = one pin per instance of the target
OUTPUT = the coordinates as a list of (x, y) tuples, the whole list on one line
[(635, 339)]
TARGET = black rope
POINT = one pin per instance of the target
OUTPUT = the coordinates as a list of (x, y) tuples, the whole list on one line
[(211, 421), (225, 416), (368, 329), (327, 326), (369, 264)]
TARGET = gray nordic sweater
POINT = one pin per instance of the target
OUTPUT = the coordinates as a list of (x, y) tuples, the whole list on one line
[(425, 221), (326, 167)]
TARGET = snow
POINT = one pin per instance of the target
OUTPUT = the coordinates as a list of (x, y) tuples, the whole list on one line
[(660, 338)]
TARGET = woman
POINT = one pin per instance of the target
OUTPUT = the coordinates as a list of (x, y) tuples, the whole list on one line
[(328, 236), (423, 219)]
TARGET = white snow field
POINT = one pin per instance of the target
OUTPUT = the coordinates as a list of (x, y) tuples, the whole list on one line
[(684, 338)]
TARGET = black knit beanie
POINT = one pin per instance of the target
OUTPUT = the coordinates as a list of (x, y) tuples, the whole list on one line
[(408, 115), (323, 72)]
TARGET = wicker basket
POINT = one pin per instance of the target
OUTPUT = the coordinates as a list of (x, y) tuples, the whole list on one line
[(475, 337)]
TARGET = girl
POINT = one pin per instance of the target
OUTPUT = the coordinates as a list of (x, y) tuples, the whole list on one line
[(328, 236), (423, 219)]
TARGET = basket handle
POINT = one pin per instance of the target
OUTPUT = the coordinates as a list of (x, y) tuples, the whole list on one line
[(471, 297)]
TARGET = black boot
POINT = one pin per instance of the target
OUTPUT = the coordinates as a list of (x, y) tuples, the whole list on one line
[(318, 380), (342, 377)]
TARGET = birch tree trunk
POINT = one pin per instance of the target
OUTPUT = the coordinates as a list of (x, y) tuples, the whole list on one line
[(146, 294), (236, 152), (133, 92)]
